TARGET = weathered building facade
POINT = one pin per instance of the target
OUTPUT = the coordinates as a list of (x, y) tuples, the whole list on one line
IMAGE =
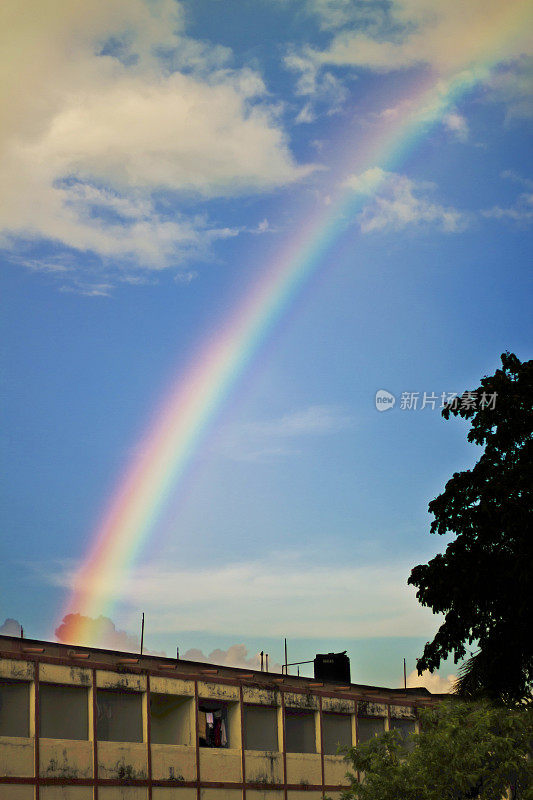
[(84, 724)]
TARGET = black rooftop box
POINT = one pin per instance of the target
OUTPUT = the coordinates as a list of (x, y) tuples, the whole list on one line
[(332, 667)]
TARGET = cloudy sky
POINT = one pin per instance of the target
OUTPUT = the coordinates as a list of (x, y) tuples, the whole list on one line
[(157, 158)]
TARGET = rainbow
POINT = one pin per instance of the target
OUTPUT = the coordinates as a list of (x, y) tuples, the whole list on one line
[(191, 406)]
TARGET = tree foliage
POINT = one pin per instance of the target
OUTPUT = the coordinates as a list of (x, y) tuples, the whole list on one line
[(465, 751), (482, 582)]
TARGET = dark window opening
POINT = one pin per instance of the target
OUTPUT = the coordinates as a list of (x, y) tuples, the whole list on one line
[(64, 711), (406, 727), (300, 736), (170, 719), (14, 708), (119, 716), (337, 732), (213, 728), (367, 727), (260, 728)]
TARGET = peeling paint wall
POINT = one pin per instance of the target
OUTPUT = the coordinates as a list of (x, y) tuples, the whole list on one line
[(65, 793), (260, 728), (264, 767), (13, 792), (127, 713), (65, 759), (266, 794), (173, 762), (122, 793), (304, 769), (16, 757), (122, 761), (216, 762), (159, 793)]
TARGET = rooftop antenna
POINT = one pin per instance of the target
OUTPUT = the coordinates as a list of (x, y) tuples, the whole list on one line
[(142, 633), (404, 675), (285, 656), (177, 653), (266, 668)]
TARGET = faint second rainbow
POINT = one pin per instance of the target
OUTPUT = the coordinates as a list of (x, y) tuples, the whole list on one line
[(197, 395)]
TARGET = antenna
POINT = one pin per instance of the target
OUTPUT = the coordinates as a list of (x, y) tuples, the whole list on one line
[(285, 656), (142, 633), (266, 668), (404, 675)]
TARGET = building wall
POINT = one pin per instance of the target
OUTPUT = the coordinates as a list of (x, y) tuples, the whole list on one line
[(129, 733)]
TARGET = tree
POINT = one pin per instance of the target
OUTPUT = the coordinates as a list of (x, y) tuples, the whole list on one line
[(464, 751), (482, 582)]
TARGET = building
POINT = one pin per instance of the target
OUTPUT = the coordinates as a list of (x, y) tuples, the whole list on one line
[(83, 723)]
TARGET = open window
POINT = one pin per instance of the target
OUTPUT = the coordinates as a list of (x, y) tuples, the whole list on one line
[(170, 719), (64, 711), (337, 732), (260, 728), (213, 728), (300, 735), (14, 708), (119, 716)]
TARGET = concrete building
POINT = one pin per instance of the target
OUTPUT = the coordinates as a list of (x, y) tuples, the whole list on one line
[(83, 723)]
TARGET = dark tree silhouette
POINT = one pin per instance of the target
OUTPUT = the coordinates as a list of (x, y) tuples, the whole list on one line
[(482, 582)]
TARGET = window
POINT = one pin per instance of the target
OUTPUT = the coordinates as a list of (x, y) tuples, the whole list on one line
[(300, 734), (119, 716), (337, 732), (406, 728), (260, 728), (14, 708), (170, 719), (64, 712), (368, 727), (213, 728)]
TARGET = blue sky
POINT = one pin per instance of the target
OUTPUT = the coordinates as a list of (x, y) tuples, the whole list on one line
[(155, 157)]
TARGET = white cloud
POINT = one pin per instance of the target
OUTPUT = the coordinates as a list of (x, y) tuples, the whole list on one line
[(511, 85), (400, 202), (10, 627), (449, 36), (281, 593), (106, 105), (323, 90), (434, 682), (521, 211), (367, 182), (77, 629), (457, 125), (254, 441), (235, 656)]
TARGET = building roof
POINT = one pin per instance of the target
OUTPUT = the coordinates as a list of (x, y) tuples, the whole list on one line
[(55, 652)]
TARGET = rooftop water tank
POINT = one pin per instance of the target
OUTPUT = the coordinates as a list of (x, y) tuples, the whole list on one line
[(332, 667)]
